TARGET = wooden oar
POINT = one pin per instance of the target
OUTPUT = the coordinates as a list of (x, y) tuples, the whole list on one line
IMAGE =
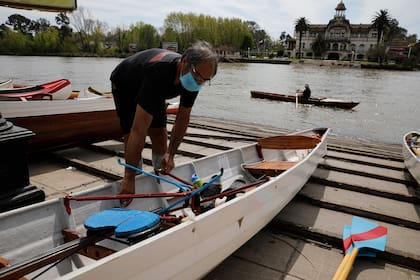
[(364, 235), (99, 92)]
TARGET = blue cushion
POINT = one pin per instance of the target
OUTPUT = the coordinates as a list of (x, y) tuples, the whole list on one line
[(125, 221)]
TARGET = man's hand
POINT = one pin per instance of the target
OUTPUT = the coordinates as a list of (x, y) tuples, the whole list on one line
[(168, 163), (127, 187)]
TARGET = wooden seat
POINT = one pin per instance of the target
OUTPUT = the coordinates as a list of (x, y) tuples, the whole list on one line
[(269, 168)]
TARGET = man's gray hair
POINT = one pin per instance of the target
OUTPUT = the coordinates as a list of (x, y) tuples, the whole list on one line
[(201, 51)]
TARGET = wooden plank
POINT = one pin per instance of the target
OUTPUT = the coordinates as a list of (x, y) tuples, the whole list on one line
[(363, 184), (289, 142), (398, 176), (269, 168), (384, 163), (373, 206)]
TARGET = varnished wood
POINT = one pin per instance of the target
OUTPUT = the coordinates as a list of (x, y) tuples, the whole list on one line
[(269, 168), (287, 142), (69, 130)]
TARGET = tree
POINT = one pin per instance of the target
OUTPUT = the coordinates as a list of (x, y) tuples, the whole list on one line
[(381, 21), (63, 22), (319, 46), (301, 25), (40, 25), (20, 23), (84, 25)]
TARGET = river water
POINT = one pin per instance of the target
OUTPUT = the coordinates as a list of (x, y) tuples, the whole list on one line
[(389, 100)]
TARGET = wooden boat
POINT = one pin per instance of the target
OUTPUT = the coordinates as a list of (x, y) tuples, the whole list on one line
[(411, 153), (67, 123), (64, 123), (59, 89), (324, 101), (185, 239)]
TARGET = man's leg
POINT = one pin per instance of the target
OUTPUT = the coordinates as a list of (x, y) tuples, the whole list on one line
[(159, 138)]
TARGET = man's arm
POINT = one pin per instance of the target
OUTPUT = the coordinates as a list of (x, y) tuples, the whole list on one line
[(178, 132)]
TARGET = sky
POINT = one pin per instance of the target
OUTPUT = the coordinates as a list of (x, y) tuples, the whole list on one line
[(274, 16)]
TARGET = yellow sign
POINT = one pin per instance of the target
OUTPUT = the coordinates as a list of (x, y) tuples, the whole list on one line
[(42, 5)]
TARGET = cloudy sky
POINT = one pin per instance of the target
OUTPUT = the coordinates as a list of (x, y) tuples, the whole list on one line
[(274, 16)]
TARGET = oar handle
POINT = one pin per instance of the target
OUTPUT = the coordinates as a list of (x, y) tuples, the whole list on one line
[(341, 267), (349, 264)]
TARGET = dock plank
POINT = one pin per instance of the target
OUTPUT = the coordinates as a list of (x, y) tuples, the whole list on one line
[(401, 243), (398, 165), (407, 214), (359, 182), (373, 171)]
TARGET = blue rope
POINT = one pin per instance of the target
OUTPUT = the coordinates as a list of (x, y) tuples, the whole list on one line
[(181, 186)]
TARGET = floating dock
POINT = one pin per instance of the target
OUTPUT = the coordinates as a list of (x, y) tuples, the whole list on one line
[(356, 178)]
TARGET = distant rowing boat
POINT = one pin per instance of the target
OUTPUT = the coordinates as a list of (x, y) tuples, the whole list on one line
[(324, 101)]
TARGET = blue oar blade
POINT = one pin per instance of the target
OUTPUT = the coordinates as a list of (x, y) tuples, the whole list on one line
[(366, 234), (347, 243)]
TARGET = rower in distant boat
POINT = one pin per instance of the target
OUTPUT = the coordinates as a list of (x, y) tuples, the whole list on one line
[(305, 93)]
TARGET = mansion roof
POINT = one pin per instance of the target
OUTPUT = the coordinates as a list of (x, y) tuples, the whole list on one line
[(356, 28)]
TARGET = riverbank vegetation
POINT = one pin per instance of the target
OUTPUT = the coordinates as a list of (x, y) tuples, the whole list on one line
[(78, 34)]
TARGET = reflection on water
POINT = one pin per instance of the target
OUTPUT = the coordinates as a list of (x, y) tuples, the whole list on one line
[(388, 99)]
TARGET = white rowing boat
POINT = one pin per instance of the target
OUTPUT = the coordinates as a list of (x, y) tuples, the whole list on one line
[(183, 243), (411, 153)]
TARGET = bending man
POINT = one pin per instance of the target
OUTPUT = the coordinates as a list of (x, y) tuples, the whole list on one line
[(141, 84)]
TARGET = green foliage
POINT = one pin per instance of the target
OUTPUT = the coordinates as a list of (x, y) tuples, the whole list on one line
[(301, 25), (82, 35), (222, 32), (320, 45), (381, 21)]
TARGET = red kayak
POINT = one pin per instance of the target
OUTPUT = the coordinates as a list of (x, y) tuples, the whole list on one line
[(59, 89)]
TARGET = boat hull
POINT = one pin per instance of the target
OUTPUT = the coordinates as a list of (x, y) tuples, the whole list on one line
[(411, 159), (188, 250), (64, 123), (327, 102)]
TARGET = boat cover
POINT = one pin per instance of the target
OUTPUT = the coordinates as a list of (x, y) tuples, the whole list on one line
[(125, 221)]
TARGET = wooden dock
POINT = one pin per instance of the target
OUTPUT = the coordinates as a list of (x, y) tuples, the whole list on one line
[(360, 178)]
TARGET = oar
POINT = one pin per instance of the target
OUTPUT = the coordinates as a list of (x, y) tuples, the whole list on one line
[(181, 186), (348, 247), (297, 102), (364, 235)]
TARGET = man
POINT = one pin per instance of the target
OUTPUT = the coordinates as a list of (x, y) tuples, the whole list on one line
[(141, 84), (305, 94)]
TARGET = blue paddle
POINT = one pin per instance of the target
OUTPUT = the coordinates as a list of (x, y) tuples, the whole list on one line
[(359, 239)]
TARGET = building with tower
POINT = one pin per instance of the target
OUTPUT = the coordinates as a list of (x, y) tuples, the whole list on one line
[(344, 41)]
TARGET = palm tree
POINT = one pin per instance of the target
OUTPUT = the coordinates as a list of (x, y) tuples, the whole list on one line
[(380, 21), (301, 25)]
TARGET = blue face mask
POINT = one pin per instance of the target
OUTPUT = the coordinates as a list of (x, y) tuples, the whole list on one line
[(188, 82)]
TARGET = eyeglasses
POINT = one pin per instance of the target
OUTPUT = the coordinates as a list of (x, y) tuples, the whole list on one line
[(198, 76)]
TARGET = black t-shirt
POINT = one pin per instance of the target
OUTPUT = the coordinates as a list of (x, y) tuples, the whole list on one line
[(148, 77)]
